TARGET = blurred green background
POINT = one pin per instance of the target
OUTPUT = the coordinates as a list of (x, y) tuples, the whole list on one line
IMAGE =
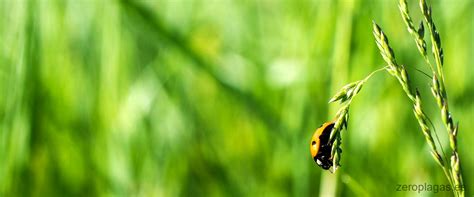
[(218, 97)]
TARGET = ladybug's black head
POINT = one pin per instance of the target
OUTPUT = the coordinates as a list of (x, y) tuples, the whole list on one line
[(324, 161)]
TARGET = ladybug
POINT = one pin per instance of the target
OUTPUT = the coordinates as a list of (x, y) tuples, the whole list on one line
[(321, 147)]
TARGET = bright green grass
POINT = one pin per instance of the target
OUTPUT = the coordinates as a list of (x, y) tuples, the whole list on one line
[(217, 98)]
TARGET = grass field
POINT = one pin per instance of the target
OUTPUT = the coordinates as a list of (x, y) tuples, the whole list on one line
[(220, 97)]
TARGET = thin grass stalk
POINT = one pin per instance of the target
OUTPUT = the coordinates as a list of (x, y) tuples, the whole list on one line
[(345, 96), (440, 94), (438, 88), (399, 72)]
